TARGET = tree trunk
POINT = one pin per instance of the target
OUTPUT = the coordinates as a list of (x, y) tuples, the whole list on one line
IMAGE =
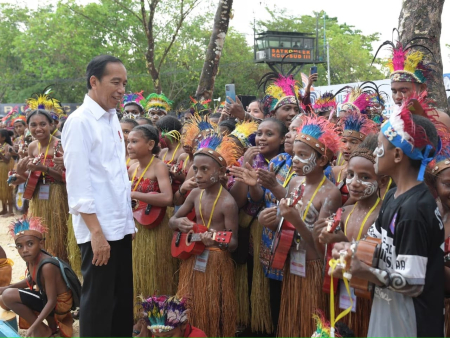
[(210, 67), (423, 18)]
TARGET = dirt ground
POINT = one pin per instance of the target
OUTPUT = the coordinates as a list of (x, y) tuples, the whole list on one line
[(18, 270)]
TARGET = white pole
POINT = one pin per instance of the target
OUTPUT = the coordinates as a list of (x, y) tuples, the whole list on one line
[(328, 61)]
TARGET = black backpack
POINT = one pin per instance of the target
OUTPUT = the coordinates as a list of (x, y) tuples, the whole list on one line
[(70, 278)]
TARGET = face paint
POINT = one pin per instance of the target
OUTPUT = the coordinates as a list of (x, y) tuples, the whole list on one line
[(378, 152), (309, 164), (214, 177), (369, 187)]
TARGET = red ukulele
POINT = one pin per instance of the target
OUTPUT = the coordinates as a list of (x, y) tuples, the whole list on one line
[(184, 245), (333, 223), (149, 216), (283, 238), (32, 180)]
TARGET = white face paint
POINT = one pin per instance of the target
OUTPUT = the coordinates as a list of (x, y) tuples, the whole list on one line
[(309, 163), (369, 187), (378, 153), (215, 177)]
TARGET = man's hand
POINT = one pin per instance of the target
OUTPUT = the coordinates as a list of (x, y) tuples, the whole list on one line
[(184, 224), (245, 175), (235, 109), (207, 238), (267, 178), (268, 217), (100, 249), (188, 185)]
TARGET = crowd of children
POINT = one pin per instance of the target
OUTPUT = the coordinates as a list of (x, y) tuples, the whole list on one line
[(253, 222)]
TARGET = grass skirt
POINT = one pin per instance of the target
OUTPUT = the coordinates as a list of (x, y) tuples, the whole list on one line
[(299, 299), (6, 192), (357, 321), (73, 250), (261, 320), (212, 301), (54, 213), (241, 281), (154, 268)]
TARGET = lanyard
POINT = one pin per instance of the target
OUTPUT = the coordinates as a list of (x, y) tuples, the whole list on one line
[(387, 188), (312, 198), (364, 220), (288, 179), (128, 161), (173, 155), (333, 263), (142, 175), (214, 206)]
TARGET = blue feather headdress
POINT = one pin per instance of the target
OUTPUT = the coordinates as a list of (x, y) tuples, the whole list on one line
[(221, 148), (358, 126), (27, 227)]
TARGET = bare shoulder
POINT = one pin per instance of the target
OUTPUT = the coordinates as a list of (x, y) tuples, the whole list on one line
[(183, 156), (443, 118), (227, 201), (132, 168)]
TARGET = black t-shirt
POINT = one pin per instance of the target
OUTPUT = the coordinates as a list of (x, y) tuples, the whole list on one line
[(412, 236)]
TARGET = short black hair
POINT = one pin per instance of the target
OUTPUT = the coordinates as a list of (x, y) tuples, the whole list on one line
[(97, 66), (40, 112), (21, 121), (215, 115), (229, 124), (282, 129), (145, 119), (130, 121), (169, 123), (150, 133), (133, 104)]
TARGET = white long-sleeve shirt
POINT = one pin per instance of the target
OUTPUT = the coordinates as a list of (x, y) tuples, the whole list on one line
[(96, 175)]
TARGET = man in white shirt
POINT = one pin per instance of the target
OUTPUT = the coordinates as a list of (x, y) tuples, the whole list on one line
[(99, 201)]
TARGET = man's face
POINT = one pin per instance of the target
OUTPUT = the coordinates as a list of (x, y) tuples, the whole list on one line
[(133, 109), (29, 247), (155, 115), (110, 89), (403, 89)]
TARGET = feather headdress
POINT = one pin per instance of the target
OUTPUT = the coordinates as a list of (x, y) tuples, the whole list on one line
[(195, 129), (27, 227), (403, 133), (245, 132), (134, 98), (442, 160), (358, 126), (195, 103), (323, 326), (283, 90), (326, 101), (158, 102), (163, 313), (319, 134), (44, 101), (407, 65), (14, 115), (221, 148)]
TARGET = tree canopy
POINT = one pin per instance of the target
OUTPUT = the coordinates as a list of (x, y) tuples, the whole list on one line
[(53, 44)]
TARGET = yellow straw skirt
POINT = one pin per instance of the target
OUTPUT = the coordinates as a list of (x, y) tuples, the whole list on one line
[(300, 298), (54, 213), (260, 295), (212, 301), (154, 268), (73, 250), (241, 281), (6, 192)]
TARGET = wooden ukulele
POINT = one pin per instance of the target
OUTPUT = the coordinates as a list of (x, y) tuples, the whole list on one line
[(333, 222), (148, 215), (368, 252), (284, 236), (32, 180), (184, 245)]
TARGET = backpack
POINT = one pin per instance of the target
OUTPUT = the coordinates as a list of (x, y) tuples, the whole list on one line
[(69, 277)]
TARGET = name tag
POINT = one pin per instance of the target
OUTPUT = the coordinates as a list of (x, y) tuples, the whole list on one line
[(344, 299), (44, 191), (201, 261), (298, 262)]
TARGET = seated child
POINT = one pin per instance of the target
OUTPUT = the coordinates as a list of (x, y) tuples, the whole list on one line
[(53, 302), (165, 317)]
